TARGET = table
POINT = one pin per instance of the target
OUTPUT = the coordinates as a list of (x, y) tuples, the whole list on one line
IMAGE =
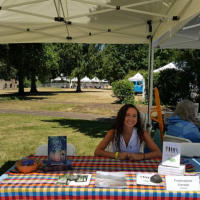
[(41, 185)]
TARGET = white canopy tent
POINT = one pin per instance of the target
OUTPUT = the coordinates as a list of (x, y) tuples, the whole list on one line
[(187, 37), (168, 66), (95, 80), (96, 21), (139, 77), (93, 21), (136, 77), (85, 80)]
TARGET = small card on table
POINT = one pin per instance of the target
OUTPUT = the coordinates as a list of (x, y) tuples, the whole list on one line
[(182, 183)]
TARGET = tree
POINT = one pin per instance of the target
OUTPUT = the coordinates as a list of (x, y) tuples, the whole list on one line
[(189, 60), (32, 61), (79, 60), (115, 62), (16, 58), (7, 72), (50, 62), (173, 85)]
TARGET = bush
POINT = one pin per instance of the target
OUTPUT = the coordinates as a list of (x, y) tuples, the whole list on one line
[(123, 90), (173, 85)]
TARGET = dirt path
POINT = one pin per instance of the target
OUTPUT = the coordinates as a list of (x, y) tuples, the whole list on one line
[(69, 115)]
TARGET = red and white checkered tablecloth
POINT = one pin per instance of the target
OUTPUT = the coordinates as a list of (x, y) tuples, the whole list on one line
[(41, 185)]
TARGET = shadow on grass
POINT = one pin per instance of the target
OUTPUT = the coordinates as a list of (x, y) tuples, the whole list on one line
[(26, 96), (6, 166), (95, 129), (36, 96)]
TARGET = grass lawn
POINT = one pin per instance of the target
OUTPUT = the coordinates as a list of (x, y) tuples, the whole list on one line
[(21, 134)]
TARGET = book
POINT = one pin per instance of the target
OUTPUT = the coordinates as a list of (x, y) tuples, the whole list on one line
[(170, 170), (74, 179), (110, 179), (57, 150), (171, 154)]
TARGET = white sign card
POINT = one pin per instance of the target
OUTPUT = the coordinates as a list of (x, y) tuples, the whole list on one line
[(171, 154), (145, 179), (182, 183)]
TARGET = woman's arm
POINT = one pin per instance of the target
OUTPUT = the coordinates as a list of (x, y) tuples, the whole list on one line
[(100, 150), (154, 150)]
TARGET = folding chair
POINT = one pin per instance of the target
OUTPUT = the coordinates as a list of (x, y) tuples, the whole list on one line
[(158, 118)]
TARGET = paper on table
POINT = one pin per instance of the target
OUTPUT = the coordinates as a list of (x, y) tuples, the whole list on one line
[(74, 179), (182, 183), (144, 179), (110, 179)]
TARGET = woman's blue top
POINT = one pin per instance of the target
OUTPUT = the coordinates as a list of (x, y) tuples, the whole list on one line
[(181, 128)]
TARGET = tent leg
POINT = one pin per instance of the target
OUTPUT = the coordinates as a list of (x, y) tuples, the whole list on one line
[(150, 83)]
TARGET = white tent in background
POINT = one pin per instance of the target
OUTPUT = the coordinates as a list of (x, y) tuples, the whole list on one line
[(57, 78), (74, 79), (85, 80), (136, 77), (139, 77), (95, 80), (104, 81), (168, 66)]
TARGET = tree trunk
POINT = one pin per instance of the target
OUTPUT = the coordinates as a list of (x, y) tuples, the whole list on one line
[(21, 84), (78, 87), (33, 84)]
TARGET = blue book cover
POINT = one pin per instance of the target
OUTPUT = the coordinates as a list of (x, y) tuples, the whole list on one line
[(57, 150)]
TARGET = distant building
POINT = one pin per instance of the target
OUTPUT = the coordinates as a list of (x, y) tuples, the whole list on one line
[(11, 84)]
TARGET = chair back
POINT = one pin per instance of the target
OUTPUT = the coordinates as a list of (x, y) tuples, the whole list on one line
[(158, 111), (170, 138), (190, 149)]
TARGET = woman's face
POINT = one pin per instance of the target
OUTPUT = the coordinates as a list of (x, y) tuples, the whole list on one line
[(131, 117)]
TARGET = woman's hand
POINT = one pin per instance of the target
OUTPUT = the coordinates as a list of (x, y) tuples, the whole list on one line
[(135, 156), (123, 156)]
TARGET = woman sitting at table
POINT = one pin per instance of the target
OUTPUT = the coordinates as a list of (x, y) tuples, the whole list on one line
[(126, 136), (183, 122)]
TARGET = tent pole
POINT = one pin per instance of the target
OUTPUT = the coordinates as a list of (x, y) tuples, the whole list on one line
[(150, 82)]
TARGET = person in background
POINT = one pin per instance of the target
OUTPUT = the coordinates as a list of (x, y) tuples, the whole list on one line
[(183, 122), (126, 136)]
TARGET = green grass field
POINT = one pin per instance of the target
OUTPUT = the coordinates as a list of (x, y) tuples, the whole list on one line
[(21, 134)]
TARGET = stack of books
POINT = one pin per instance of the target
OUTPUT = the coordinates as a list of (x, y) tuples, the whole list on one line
[(171, 160), (173, 171)]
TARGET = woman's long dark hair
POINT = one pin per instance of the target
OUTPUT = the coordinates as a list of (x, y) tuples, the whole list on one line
[(119, 124)]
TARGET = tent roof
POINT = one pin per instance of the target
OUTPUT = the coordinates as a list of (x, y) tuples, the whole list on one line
[(136, 77), (168, 66), (93, 21), (186, 37), (95, 79), (85, 79)]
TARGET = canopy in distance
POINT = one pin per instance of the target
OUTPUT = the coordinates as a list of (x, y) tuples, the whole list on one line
[(85, 79), (93, 21), (168, 66), (136, 77)]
